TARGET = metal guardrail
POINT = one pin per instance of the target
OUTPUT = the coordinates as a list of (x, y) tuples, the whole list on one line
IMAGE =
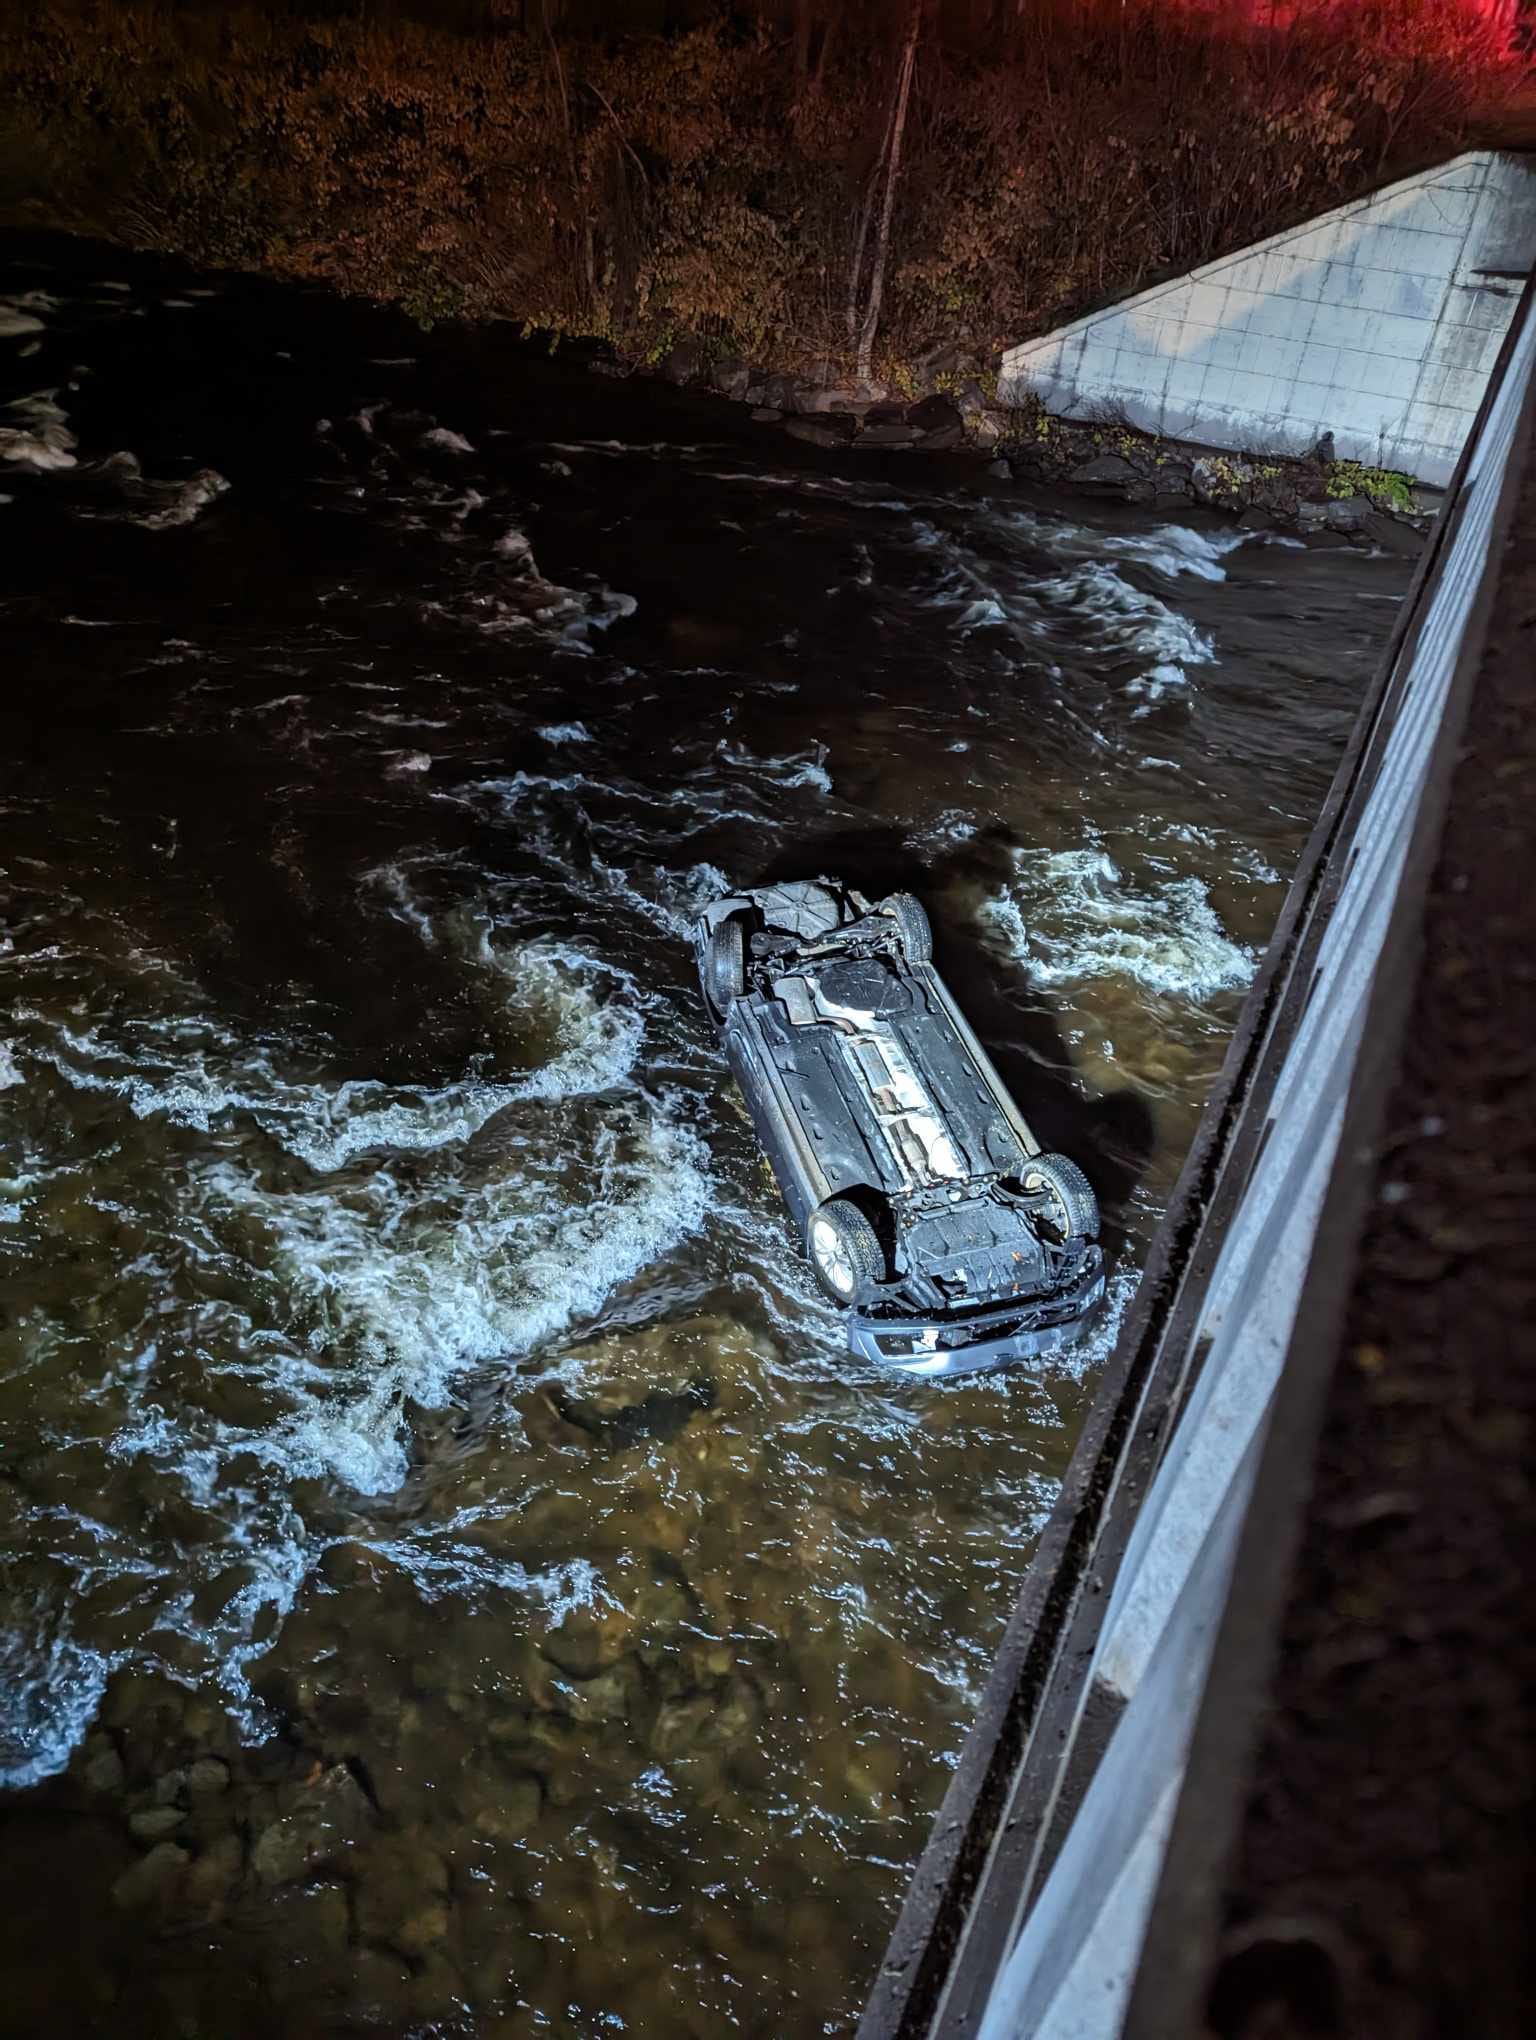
[(1108, 1647)]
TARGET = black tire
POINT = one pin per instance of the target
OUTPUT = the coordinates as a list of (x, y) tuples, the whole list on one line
[(725, 966), (851, 1256), (912, 929), (1076, 1209)]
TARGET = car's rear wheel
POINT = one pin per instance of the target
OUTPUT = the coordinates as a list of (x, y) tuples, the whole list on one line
[(725, 965), (1074, 1210), (912, 929), (844, 1249)]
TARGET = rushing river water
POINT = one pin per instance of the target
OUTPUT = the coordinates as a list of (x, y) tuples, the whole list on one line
[(458, 1580)]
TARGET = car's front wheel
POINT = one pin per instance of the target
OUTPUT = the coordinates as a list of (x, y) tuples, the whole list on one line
[(1068, 1195), (844, 1249)]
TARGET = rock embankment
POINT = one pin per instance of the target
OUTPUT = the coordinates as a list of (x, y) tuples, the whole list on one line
[(958, 412)]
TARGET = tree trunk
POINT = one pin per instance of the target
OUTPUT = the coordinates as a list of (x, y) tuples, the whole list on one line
[(583, 211), (861, 238), (865, 348)]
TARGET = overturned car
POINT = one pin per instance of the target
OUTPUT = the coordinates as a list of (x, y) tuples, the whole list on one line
[(924, 1201)]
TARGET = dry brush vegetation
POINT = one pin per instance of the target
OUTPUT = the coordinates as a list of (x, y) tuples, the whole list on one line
[(752, 178)]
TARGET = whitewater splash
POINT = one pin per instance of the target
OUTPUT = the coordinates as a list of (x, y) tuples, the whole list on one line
[(1131, 625), (18, 315), (463, 1256), (408, 1285), (1079, 588), (41, 438), (502, 592), (116, 487), (1073, 914), (1174, 549)]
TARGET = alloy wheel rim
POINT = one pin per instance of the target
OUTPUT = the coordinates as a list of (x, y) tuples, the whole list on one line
[(831, 1258)]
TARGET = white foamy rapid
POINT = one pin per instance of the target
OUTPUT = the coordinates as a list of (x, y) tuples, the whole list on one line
[(1072, 914), (1087, 593), (41, 442), (423, 1239), (163, 506), (40, 439), (805, 768), (1130, 625), (1174, 549), (406, 1287), (18, 314), (200, 1076), (50, 1688)]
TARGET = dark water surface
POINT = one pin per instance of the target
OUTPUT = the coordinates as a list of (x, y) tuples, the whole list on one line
[(458, 1581)]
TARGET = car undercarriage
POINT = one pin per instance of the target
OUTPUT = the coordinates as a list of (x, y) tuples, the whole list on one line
[(924, 1201)]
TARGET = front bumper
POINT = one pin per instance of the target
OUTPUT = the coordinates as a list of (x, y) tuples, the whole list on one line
[(925, 1347)]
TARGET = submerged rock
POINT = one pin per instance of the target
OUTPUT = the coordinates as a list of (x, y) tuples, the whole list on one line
[(154, 1823), (514, 1810), (402, 1894), (99, 1765), (660, 1413), (308, 1956), (610, 1377), (607, 1696), (333, 1817), (378, 1983), (214, 1877), (153, 1881), (588, 1641), (170, 1788), (207, 1777), (422, 1931), (681, 1723)]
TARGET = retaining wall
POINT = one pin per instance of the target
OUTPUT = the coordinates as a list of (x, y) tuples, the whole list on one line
[(1379, 322)]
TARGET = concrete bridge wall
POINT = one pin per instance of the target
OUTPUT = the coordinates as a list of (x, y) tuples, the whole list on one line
[(1379, 322)]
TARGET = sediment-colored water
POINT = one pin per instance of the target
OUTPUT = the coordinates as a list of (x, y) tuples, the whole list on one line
[(458, 1581)]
